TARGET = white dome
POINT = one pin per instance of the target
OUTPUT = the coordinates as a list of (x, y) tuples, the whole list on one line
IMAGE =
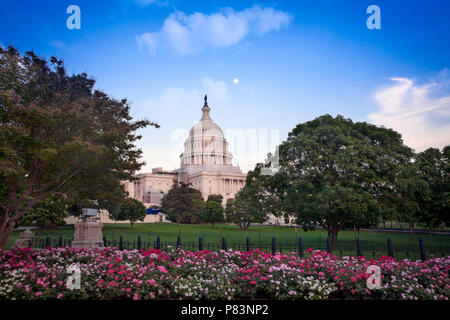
[(206, 143)]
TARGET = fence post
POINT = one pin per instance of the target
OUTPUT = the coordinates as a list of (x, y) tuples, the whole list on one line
[(328, 245), (300, 247), (389, 245), (422, 250), (274, 245), (200, 243), (47, 241), (224, 243), (139, 242), (358, 247), (158, 243), (178, 242), (121, 243), (60, 240), (247, 244)]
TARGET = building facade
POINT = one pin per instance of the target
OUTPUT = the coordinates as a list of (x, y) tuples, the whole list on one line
[(206, 164)]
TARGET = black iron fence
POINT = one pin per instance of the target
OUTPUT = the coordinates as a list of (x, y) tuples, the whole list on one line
[(358, 248)]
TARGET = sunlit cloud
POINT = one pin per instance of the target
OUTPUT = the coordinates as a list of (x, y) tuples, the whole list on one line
[(421, 113), (185, 34)]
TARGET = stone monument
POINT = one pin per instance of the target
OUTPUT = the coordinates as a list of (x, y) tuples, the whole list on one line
[(88, 232), (25, 240)]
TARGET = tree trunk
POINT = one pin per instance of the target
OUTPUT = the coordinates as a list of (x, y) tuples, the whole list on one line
[(212, 225), (5, 235), (334, 237), (5, 219)]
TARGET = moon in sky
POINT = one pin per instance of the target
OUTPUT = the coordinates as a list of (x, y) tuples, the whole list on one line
[(236, 80)]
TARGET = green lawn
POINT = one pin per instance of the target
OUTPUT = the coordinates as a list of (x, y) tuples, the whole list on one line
[(405, 226), (372, 243)]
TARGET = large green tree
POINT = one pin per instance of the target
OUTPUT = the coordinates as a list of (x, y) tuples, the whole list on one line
[(130, 209), (246, 207), (433, 166), (182, 203), (410, 195), (333, 170), (212, 212), (58, 135)]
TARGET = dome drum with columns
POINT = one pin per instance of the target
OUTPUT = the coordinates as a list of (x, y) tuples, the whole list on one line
[(206, 143)]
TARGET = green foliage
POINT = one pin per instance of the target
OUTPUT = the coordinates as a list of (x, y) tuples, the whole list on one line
[(182, 203), (58, 135), (334, 170), (434, 168), (215, 197), (410, 195), (51, 211), (212, 212), (245, 208), (422, 190), (130, 209)]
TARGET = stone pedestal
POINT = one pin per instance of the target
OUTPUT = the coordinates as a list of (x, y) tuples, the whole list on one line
[(25, 240), (88, 234)]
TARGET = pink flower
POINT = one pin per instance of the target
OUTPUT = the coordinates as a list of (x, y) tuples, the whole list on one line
[(162, 269)]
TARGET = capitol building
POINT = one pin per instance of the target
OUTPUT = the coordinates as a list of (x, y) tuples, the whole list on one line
[(206, 164)]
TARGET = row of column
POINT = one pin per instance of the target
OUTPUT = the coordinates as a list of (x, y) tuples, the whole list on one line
[(205, 159), (231, 186)]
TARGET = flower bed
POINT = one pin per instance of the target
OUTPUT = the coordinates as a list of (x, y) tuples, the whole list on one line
[(179, 274)]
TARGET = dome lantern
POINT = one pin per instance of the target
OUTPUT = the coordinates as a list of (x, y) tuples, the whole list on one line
[(205, 110)]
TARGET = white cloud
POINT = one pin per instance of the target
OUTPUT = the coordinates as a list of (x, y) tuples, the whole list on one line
[(190, 34), (145, 3), (421, 113)]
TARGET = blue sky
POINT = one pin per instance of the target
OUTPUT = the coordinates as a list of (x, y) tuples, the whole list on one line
[(295, 60)]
